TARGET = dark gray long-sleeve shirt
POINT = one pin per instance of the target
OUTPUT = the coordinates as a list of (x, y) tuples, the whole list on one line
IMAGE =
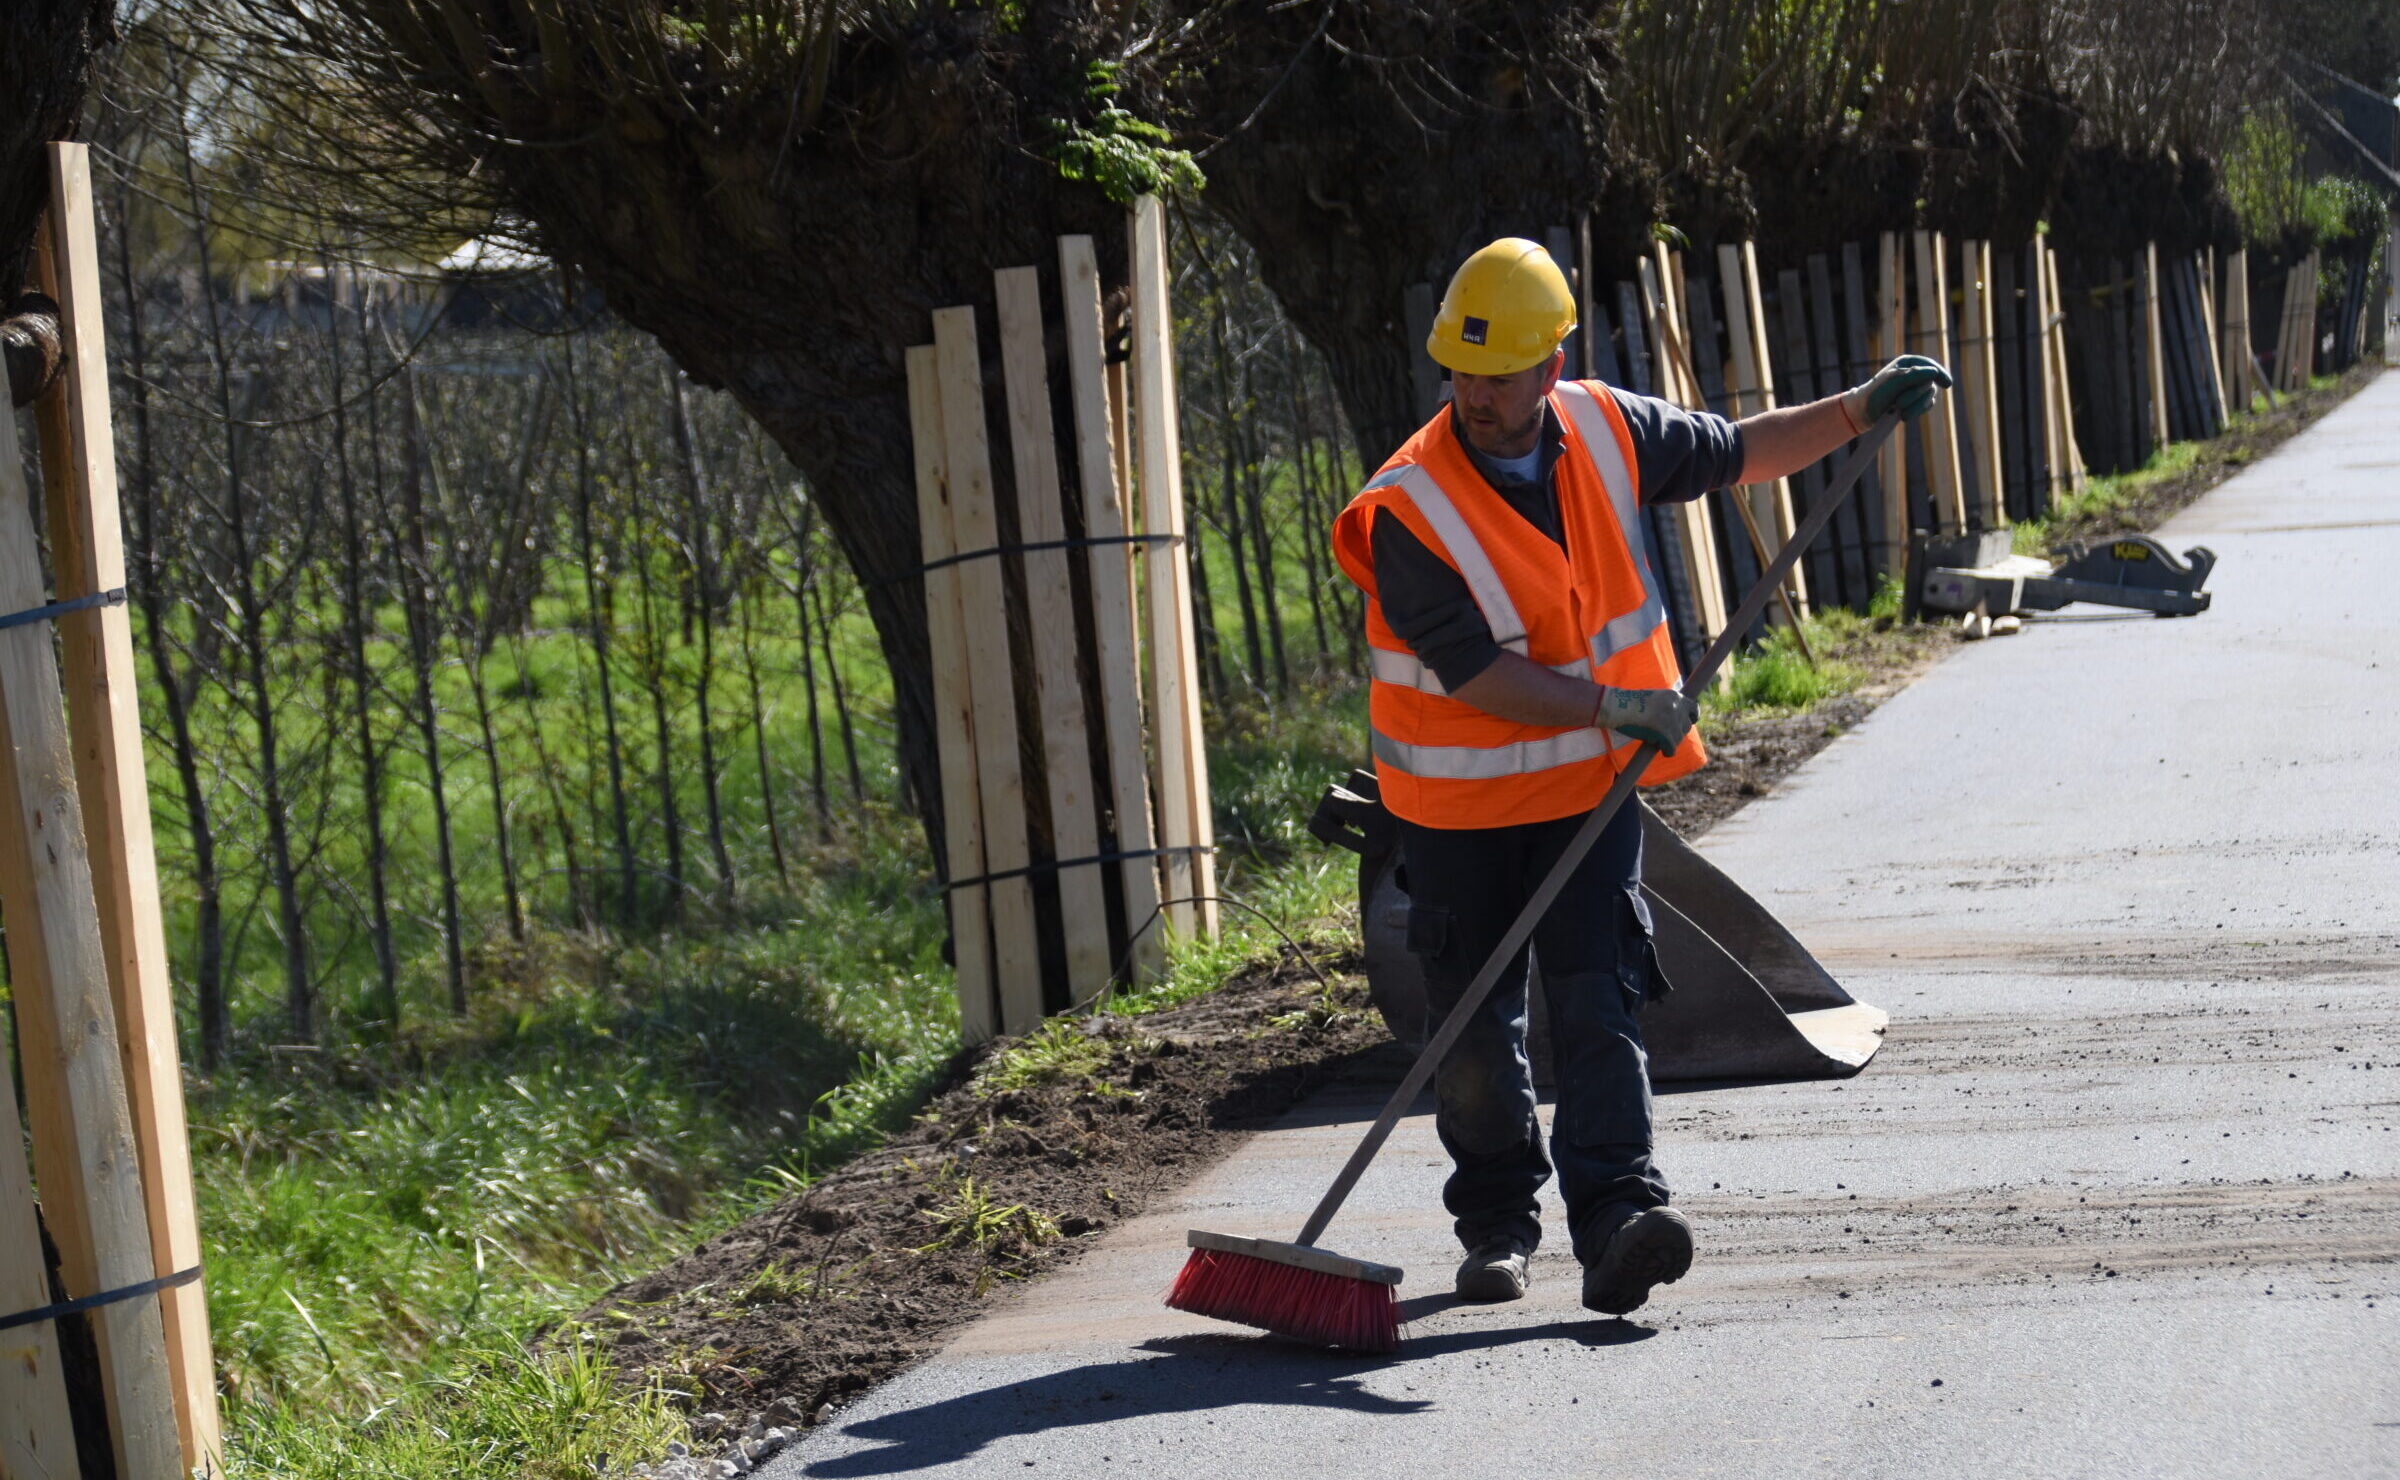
[(1679, 455)]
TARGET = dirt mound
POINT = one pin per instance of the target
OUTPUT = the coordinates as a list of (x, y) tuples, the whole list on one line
[(1041, 1145)]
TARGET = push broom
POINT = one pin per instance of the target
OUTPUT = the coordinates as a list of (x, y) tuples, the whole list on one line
[(1318, 1296)]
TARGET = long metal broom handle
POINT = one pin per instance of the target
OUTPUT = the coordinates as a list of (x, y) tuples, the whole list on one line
[(1694, 685)]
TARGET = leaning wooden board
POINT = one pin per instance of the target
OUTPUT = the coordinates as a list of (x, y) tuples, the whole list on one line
[(35, 1437), (954, 710), (984, 611), (1058, 679), (1099, 458), (102, 686), (1184, 811), (84, 1155)]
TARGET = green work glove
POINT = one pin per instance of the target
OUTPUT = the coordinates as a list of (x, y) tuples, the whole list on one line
[(1908, 385), (1661, 716)]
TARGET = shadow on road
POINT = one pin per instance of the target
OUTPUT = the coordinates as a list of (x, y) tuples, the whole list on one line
[(1180, 1374)]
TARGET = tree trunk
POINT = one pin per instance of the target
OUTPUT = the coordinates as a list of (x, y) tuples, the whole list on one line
[(758, 736), (805, 573), (472, 662), (250, 622), (355, 620), (703, 578), (783, 219), (1262, 544), (654, 678), (600, 617), (841, 701), (149, 582), (1397, 140), (43, 72), (416, 602)]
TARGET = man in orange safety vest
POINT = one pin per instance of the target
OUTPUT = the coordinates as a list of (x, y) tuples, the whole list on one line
[(1520, 650)]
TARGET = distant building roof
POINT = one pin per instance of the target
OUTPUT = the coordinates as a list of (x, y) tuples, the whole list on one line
[(485, 256)]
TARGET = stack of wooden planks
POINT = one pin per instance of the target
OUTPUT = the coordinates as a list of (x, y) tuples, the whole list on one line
[(1033, 598)]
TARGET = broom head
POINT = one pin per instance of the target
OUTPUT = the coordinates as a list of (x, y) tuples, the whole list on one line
[(1294, 1290)]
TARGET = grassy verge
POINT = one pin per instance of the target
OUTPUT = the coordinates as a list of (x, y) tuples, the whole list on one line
[(2180, 472), (390, 1225)]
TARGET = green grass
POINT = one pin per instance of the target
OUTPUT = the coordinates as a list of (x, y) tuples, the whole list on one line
[(1775, 676), (556, 1415), (389, 1221), (2102, 493)]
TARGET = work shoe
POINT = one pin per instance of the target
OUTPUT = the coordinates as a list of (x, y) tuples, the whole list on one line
[(1646, 1247), (1495, 1271)]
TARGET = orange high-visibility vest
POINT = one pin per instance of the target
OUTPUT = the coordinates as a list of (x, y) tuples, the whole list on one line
[(1594, 610)]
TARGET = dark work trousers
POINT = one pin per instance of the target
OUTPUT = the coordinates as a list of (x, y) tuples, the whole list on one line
[(1465, 887)]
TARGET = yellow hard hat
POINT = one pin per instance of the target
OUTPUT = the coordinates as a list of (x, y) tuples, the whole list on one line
[(1507, 309)]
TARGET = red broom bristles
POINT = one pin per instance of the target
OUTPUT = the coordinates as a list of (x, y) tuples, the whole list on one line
[(1304, 1304)]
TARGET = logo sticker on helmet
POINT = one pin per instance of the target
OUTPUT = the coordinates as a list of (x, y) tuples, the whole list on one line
[(1475, 331)]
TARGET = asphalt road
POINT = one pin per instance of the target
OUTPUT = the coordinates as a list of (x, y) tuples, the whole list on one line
[(2120, 1197)]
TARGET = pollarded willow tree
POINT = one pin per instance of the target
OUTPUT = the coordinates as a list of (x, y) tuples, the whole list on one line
[(783, 193), (1364, 146)]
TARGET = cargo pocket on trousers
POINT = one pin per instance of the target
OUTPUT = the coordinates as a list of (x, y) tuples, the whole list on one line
[(1428, 931), (1638, 974)]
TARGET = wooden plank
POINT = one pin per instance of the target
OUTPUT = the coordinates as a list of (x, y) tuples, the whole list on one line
[(1741, 558), (1752, 387), (1933, 339), (1847, 532), (1693, 521), (2061, 388), (1982, 380), (2234, 333), (1184, 807), (2200, 342), (1050, 607), (2053, 385), (1858, 355), (1098, 455), (1747, 394), (2204, 284), (1670, 363), (35, 1436), (983, 607), (1785, 521), (84, 1156), (2155, 352), (953, 708), (1891, 318), (103, 692), (1800, 378)]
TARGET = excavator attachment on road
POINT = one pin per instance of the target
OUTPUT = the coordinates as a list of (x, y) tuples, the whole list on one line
[(1744, 999)]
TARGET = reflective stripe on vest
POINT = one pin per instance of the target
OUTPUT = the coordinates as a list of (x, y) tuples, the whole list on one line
[(1600, 444), (1491, 762), (1408, 671), (1483, 580)]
